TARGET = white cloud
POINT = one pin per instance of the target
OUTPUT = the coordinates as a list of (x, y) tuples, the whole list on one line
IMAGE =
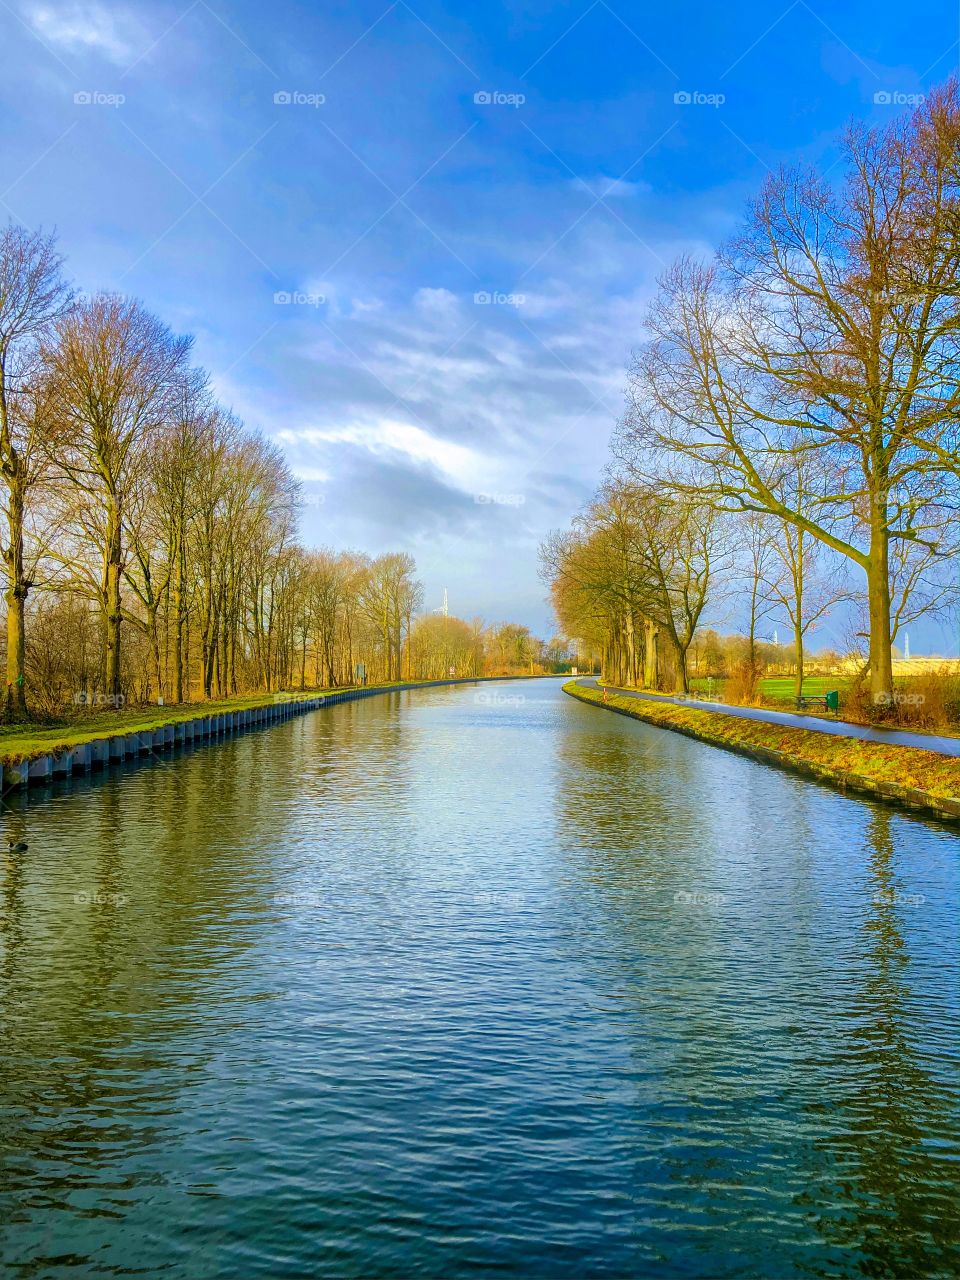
[(455, 461), (310, 475), (361, 306), (436, 302), (82, 28), (338, 303), (610, 188)]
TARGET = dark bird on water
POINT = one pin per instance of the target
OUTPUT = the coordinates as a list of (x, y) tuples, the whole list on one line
[(20, 846)]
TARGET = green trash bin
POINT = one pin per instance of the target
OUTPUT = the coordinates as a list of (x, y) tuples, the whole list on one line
[(833, 700)]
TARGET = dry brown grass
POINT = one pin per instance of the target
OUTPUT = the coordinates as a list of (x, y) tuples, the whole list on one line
[(926, 696), (742, 688)]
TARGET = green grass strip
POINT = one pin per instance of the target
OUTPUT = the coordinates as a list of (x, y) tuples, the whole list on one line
[(907, 775), (28, 741)]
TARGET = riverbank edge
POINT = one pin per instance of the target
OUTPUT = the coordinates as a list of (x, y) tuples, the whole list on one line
[(86, 753), (784, 708), (697, 725)]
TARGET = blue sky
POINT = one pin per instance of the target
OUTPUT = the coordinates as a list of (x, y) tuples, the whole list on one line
[(384, 166)]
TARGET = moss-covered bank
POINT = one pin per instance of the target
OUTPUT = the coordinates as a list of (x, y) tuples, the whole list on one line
[(34, 754), (906, 776)]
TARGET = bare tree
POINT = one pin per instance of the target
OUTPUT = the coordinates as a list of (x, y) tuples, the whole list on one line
[(807, 587), (115, 370), (759, 553), (828, 330), (683, 549), (179, 496), (169, 530), (33, 297)]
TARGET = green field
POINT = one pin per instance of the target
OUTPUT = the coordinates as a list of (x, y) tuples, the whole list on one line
[(779, 689)]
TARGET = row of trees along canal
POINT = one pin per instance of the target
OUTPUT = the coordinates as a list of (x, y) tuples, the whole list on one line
[(151, 544), (791, 434)]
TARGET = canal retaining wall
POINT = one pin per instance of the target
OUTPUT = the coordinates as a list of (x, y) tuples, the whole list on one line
[(946, 808), (116, 748)]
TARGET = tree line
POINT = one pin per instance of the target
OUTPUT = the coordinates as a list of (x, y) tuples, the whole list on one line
[(151, 546), (792, 432)]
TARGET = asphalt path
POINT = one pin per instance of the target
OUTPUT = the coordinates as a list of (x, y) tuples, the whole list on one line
[(841, 728)]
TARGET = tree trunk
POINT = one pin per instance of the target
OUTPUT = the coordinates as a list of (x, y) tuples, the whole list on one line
[(798, 645), (631, 678), (752, 638), (16, 596), (682, 684), (178, 621), (650, 633), (154, 634), (328, 659), (112, 570), (226, 622), (878, 597), (211, 645)]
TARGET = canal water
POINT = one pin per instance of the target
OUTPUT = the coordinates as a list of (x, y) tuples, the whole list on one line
[(475, 981)]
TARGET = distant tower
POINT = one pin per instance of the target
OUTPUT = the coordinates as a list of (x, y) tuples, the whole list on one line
[(906, 647), (445, 611), (776, 637)]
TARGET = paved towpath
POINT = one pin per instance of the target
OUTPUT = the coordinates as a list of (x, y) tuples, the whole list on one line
[(843, 728)]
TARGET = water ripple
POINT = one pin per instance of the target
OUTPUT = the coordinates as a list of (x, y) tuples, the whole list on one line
[(429, 985)]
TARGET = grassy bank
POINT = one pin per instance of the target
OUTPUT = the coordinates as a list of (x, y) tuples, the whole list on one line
[(924, 702), (28, 741), (907, 775)]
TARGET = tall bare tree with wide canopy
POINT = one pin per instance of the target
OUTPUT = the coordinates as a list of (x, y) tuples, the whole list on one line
[(827, 331), (116, 371)]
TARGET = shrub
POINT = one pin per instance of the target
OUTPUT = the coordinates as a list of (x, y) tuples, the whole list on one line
[(930, 699), (927, 699), (743, 686)]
